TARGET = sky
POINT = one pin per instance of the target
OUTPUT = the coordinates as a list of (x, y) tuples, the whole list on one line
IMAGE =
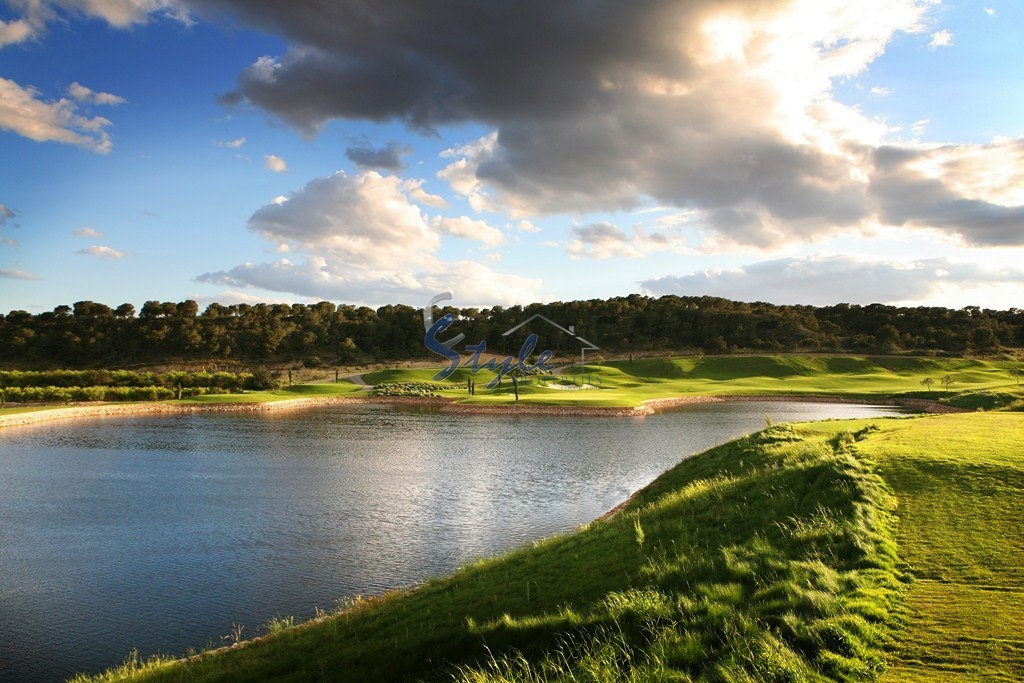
[(239, 151)]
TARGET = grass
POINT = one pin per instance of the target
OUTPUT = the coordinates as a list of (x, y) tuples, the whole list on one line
[(628, 384), (960, 482), (283, 394), (768, 558), (27, 409), (625, 384)]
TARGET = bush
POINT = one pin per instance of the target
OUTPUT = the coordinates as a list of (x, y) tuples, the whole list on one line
[(983, 400)]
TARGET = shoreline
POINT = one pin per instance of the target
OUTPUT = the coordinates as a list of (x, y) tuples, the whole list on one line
[(445, 405)]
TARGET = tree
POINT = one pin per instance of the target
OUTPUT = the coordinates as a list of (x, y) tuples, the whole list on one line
[(928, 382), (1015, 373), (947, 381)]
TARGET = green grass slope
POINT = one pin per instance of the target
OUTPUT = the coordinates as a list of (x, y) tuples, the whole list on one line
[(960, 484), (768, 558)]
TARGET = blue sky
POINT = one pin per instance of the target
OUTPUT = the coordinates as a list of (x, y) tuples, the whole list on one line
[(805, 152)]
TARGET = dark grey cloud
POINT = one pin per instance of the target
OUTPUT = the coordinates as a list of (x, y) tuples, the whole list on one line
[(906, 195), (452, 60), (388, 158), (823, 281)]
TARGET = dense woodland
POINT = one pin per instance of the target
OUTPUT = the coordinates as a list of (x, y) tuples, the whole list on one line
[(90, 334)]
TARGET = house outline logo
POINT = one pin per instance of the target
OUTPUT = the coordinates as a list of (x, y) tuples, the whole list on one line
[(503, 367), (571, 331)]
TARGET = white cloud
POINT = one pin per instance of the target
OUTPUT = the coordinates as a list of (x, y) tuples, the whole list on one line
[(16, 274), (24, 113), (941, 38), (414, 188), (5, 213), (103, 252), (879, 91), (13, 32), (36, 14), (275, 163), (364, 221), (84, 95), (322, 278), (234, 296), (527, 227), (469, 228), (89, 232), (230, 144), (826, 280), (363, 239), (991, 11)]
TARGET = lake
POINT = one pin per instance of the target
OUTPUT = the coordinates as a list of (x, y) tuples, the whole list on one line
[(163, 533)]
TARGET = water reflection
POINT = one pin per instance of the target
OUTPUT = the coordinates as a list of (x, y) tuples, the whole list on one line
[(160, 532)]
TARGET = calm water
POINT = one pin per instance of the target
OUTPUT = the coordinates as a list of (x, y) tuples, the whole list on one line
[(160, 533)]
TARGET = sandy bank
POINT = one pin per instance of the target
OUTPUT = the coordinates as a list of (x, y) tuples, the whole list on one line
[(95, 410)]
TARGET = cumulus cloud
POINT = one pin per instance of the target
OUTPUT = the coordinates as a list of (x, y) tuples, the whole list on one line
[(723, 108), (825, 280), (387, 158), (82, 94), (275, 163), (363, 220), (13, 32), (103, 252), (470, 228), (22, 111), (414, 188), (941, 38), (362, 238)]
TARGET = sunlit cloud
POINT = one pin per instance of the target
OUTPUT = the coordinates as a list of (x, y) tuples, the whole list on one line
[(24, 112), (103, 252), (275, 163), (89, 232), (941, 38)]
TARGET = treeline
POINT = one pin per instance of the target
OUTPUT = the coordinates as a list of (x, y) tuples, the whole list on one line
[(90, 334)]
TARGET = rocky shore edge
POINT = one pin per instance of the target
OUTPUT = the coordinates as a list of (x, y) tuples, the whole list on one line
[(91, 410)]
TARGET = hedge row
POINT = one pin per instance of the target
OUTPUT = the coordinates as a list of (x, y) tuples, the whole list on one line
[(78, 394), (228, 381)]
